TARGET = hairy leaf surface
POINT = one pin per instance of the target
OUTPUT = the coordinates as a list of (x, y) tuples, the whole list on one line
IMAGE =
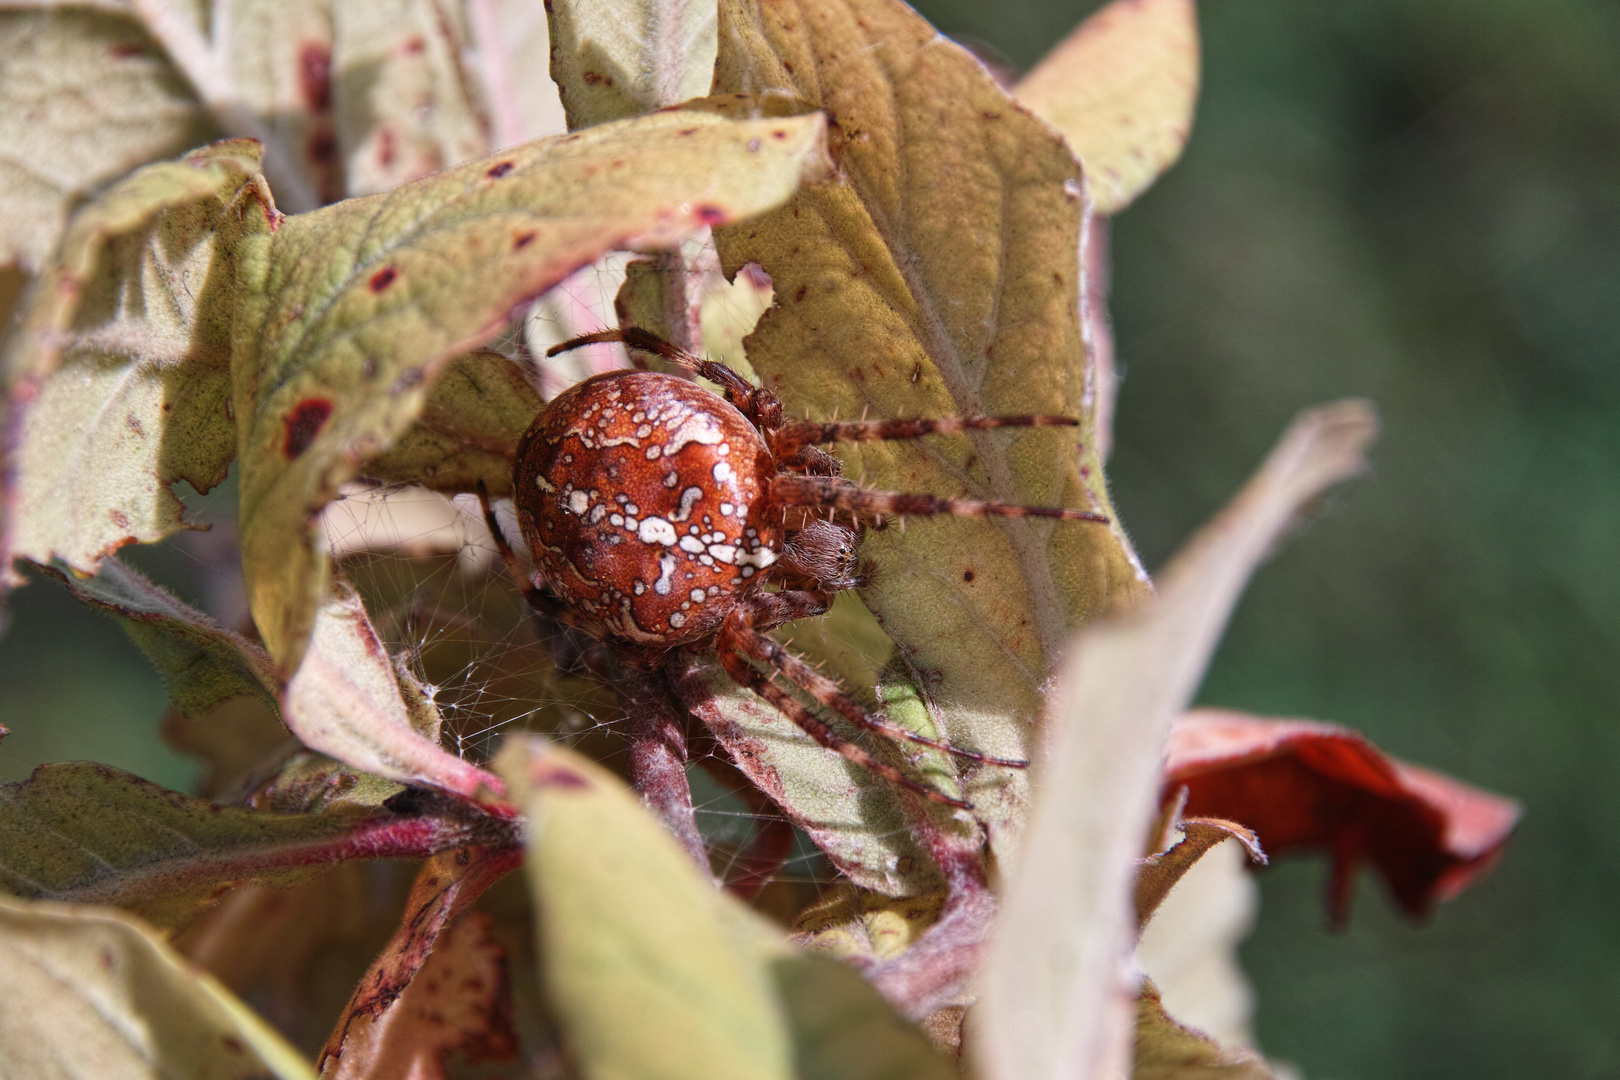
[(613, 59), (1122, 89), (359, 306), (91, 992), (940, 278), (119, 377), (94, 834), (85, 96)]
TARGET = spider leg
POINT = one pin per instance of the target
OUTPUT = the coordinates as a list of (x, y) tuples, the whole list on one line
[(792, 437), (532, 594), (732, 644), (773, 609), (836, 494), (761, 406), (757, 646)]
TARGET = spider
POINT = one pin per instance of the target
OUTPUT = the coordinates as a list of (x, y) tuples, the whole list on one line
[(660, 515)]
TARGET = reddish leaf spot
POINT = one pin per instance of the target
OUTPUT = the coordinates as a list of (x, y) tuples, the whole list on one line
[(414, 47), (321, 147), (134, 424), (232, 1044), (119, 518), (798, 293), (779, 133), (385, 146), (967, 575), (710, 214), (304, 423), (522, 240), (383, 278), (557, 776), (125, 50), (315, 75), (687, 131), (498, 170)]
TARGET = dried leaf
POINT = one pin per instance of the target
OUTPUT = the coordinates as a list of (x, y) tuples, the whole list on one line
[(1121, 88), (1159, 873), (95, 834), (119, 377), (629, 927), (468, 431), (1306, 786), (1052, 1001), (1166, 1050), (359, 306), (85, 96), (434, 987), (202, 664), (941, 278), (613, 59), (93, 992), (403, 105)]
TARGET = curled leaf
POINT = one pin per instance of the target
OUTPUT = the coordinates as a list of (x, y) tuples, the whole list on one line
[(629, 927), (356, 309), (1306, 786), (1159, 873), (939, 277), (119, 376), (1053, 1004), (94, 992), (1122, 88)]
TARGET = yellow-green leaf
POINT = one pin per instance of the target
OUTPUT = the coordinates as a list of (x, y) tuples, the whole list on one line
[(1122, 89), (1051, 1000), (91, 992), (940, 278), (85, 96), (119, 376), (629, 928), (613, 59), (358, 307), (202, 664)]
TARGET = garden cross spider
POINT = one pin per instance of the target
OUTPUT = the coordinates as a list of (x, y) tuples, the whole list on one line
[(657, 513)]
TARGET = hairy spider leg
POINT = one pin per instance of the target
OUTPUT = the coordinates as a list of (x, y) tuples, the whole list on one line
[(836, 494), (533, 595), (738, 641), (739, 391), (793, 668), (790, 438)]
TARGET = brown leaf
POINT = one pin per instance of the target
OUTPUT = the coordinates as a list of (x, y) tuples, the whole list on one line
[(415, 1002), (1307, 786), (1159, 873), (1166, 1050), (1122, 88), (941, 277)]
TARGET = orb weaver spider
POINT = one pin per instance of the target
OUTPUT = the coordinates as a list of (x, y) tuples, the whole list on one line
[(659, 513)]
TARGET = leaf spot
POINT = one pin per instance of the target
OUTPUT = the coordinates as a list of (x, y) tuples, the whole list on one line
[(710, 214), (522, 240), (754, 145), (315, 75), (967, 575), (383, 278), (499, 170), (557, 776), (304, 423)]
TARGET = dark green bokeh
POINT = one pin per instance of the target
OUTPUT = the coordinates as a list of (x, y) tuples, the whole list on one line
[(1413, 200), (1417, 201)]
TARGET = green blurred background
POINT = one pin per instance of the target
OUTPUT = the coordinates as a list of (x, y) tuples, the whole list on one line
[(1413, 200)]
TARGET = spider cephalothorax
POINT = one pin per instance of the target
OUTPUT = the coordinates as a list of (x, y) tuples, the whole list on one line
[(662, 516)]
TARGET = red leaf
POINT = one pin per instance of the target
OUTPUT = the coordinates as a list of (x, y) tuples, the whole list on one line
[(1307, 786)]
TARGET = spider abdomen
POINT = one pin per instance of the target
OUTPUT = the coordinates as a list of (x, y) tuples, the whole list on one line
[(643, 500)]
